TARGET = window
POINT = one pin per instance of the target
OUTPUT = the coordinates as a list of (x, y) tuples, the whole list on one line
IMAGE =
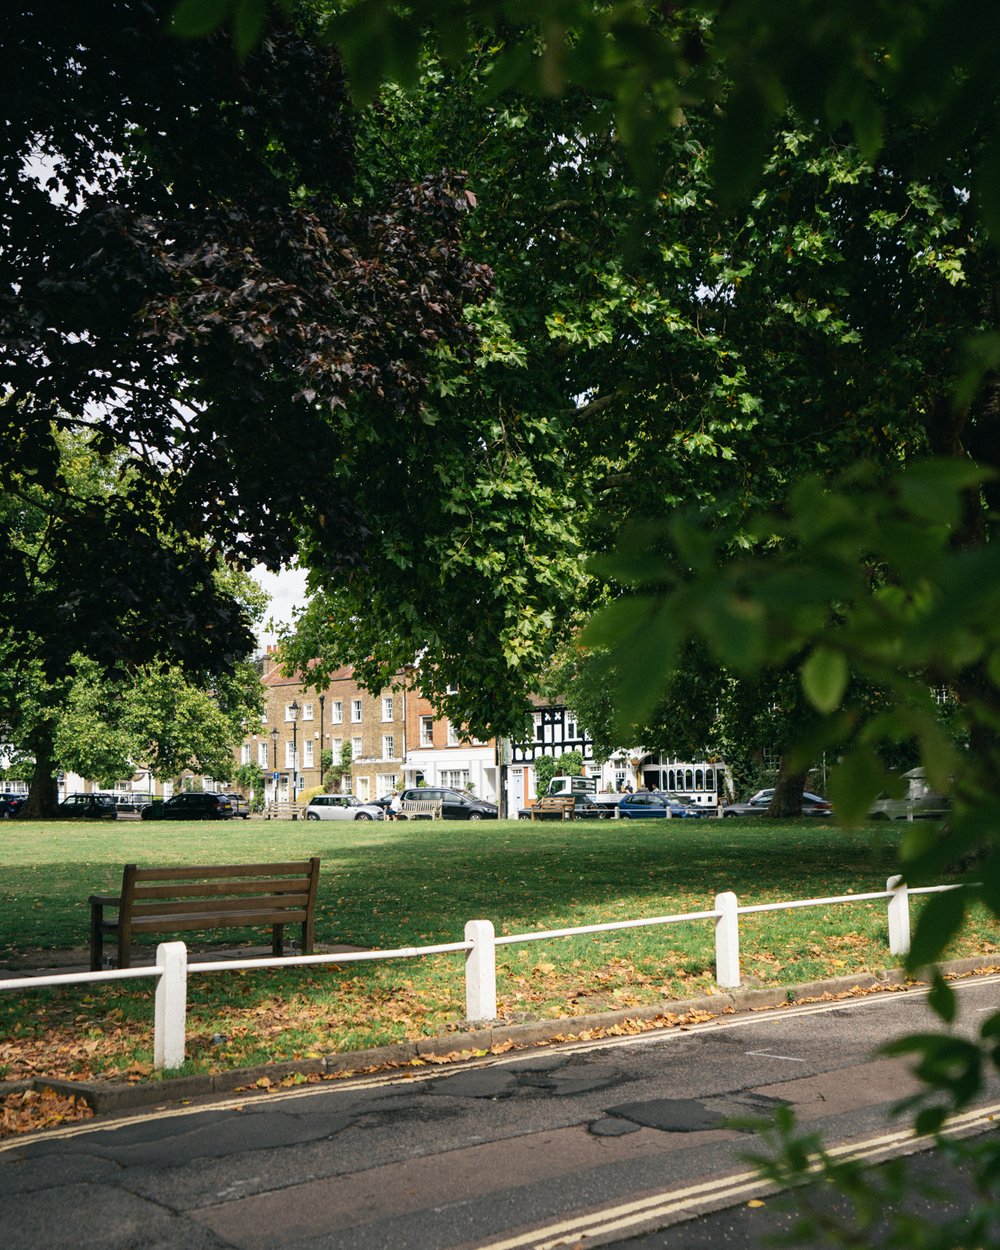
[(262, 754), (307, 753), (388, 747), (387, 707), (288, 711), (245, 753), (307, 711), (454, 778), (427, 731), (337, 712), (355, 748), (336, 746), (539, 731), (452, 736), (356, 711), (386, 783), (289, 757), (571, 731)]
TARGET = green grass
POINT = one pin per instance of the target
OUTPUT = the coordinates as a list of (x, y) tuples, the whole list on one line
[(416, 883)]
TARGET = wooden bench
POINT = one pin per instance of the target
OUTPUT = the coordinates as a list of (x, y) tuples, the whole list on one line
[(215, 896), (558, 805), (285, 811), (420, 809)]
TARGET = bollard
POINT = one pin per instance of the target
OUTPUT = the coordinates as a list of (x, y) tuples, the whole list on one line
[(481, 971), (899, 916), (727, 941), (171, 1005)]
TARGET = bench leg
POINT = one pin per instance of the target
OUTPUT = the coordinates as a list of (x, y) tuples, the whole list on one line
[(277, 939), (96, 937), (307, 937)]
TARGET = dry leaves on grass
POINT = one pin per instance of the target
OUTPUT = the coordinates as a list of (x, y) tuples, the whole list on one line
[(30, 1110)]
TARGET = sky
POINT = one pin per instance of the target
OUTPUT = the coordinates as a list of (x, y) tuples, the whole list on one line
[(287, 590)]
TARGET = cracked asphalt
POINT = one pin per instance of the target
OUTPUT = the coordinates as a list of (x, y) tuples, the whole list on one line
[(506, 1152)]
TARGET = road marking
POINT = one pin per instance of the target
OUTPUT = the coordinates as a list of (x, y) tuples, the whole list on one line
[(766, 1054), (737, 1186)]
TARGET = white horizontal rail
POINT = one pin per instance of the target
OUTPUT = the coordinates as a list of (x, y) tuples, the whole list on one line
[(172, 969), (533, 936)]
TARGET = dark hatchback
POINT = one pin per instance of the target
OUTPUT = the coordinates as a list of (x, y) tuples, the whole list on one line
[(88, 807), (656, 805), (10, 805), (203, 805), (454, 805)]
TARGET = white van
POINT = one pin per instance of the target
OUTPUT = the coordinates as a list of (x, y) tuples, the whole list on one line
[(919, 803)]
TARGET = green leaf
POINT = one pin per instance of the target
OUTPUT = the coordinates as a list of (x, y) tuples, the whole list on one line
[(940, 920), (824, 679), (194, 18), (248, 25), (942, 999), (855, 783)]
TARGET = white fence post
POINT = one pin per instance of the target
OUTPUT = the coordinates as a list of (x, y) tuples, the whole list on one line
[(171, 1005), (899, 916), (481, 971), (727, 941)]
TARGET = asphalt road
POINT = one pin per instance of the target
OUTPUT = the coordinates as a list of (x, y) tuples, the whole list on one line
[(591, 1143)]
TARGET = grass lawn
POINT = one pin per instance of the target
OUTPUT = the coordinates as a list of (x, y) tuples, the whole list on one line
[(410, 884)]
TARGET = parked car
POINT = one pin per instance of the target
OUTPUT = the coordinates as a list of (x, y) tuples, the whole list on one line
[(89, 807), (656, 804), (132, 802), (241, 806), (584, 808), (812, 805), (919, 802), (454, 805), (10, 805), (385, 803), (196, 805), (342, 807)]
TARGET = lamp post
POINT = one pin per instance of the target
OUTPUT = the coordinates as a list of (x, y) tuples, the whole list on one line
[(274, 762), (293, 712), (322, 736)]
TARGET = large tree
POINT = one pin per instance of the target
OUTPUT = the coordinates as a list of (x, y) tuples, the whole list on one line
[(191, 276)]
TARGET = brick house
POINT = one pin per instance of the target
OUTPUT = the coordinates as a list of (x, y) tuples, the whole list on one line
[(326, 718)]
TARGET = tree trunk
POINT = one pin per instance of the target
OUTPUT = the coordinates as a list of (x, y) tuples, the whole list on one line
[(787, 797), (43, 797)]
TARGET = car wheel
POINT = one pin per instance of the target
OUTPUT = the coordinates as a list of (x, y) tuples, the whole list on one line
[(728, 815), (362, 816), (880, 816), (475, 815), (312, 816)]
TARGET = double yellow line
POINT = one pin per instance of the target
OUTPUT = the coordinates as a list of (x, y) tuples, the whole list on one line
[(656, 1209)]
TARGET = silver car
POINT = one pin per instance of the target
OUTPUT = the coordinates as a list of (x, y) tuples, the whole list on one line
[(341, 807)]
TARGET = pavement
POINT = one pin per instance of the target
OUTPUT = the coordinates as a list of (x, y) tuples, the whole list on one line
[(107, 1097)]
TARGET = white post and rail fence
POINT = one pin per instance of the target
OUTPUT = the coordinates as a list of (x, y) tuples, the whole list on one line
[(479, 947)]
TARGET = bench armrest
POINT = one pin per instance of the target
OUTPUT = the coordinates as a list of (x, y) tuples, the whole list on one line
[(105, 900)]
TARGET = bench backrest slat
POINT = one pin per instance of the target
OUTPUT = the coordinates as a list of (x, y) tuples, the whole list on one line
[(185, 907), (206, 872), (213, 889)]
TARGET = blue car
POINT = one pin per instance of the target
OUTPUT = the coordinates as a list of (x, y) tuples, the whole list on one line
[(646, 804)]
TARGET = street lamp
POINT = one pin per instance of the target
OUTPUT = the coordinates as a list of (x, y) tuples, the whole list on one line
[(293, 712), (274, 761)]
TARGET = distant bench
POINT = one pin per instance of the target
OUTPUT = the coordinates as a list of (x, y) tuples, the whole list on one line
[(559, 805), (216, 896), (420, 809), (285, 811)]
